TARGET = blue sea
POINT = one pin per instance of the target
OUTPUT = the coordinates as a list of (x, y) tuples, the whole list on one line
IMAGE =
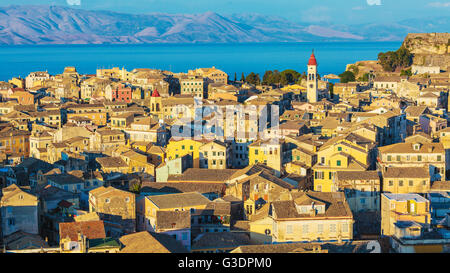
[(231, 58)]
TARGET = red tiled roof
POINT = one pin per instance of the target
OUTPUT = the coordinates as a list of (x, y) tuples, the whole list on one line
[(65, 204), (90, 229), (312, 60), (155, 93), (17, 89)]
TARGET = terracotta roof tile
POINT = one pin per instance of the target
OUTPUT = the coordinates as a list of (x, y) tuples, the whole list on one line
[(90, 229)]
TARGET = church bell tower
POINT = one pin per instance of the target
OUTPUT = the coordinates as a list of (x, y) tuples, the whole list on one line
[(312, 94)]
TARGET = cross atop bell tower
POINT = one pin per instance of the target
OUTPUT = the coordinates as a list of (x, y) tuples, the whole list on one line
[(312, 94)]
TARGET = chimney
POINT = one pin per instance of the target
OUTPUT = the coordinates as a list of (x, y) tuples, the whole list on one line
[(313, 210)]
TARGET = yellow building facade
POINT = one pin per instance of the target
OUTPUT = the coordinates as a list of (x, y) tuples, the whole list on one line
[(180, 148), (307, 218), (270, 154), (403, 207), (340, 155)]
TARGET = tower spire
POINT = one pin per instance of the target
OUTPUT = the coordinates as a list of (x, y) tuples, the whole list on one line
[(312, 59), (312, 84)]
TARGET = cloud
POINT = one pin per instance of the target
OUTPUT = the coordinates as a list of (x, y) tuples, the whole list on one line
[(74, 2), (439, 4), (358, 8), (374, 2)]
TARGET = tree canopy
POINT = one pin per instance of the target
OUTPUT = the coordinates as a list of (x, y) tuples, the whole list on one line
[(392, 60), (347, 76), (364, 77), (253, 78), (285, 77), (407, 72)]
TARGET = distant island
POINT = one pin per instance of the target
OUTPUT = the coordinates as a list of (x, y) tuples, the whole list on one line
[(27, 24)]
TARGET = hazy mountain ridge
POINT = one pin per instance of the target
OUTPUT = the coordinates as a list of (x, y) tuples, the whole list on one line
[(63, 25)]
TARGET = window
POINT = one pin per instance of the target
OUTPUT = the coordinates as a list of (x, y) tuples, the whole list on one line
[(400, 183), (305, 228), (339, 149), (398, 158), (338, 163), (439, 158), (289, 229), (411, 183), (318, 175), (320, 228), (332, 227), (419, 158), (389, 158), (344, 227)]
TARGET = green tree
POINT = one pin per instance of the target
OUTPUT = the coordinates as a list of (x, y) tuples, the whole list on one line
[(289, 76), (253, 78), (407, 72), (392, 60), (243, 77), (302, 77), (235, 76), (331, 88), (353, 68), (347, 76), (364, 77), (275, 78), (267, 78)]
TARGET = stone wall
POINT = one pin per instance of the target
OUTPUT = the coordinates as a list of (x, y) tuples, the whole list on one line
[(429, 49)]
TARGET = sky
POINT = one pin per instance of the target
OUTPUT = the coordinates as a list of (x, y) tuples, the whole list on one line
[(307, 11)]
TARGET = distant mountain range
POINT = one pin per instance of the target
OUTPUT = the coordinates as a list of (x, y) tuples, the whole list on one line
[(63, 25)]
